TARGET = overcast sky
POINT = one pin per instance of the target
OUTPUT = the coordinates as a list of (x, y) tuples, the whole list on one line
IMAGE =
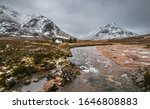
[(80, 17)]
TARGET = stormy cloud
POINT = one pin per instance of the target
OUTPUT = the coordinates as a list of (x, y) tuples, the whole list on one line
[(80, 17)]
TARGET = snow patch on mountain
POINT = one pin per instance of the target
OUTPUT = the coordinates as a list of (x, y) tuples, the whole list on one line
[(110, 31), (16, 24)]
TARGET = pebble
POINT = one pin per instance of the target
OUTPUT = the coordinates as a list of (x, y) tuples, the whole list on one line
[(35, 80)]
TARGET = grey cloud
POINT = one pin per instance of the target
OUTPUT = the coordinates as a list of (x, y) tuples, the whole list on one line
[(79, 17)]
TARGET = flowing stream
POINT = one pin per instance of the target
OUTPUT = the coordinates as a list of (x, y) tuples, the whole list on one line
[(98, 73)]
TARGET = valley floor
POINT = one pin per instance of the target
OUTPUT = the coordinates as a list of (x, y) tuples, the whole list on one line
[(129, 56), (42, 65), (133, 56)]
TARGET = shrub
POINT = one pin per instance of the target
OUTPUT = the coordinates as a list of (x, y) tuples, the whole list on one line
[(2, 82), (23, 71), (39, 56)]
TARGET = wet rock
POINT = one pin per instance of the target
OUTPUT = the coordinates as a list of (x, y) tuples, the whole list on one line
[(140, 79), (59, 81), (140, 84), (50, 86), (60, 76), (36, 80), (60, 84), (26, 81)]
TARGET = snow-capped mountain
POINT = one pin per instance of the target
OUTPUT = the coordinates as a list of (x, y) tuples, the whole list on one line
[(34, 25), (110, 31), (8, 22)]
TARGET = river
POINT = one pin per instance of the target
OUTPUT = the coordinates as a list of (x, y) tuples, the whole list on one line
[(99, 74)]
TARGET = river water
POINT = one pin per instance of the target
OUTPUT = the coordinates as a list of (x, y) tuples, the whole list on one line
[(99, 74)]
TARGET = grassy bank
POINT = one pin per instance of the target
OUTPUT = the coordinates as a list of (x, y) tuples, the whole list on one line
[(20, 58)]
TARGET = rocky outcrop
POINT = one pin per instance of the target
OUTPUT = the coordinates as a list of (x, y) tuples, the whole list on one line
[(142, 79), (50, 86), (61, 76)]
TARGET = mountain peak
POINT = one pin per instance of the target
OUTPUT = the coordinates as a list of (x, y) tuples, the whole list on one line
[(111, 25), (36, 25), (111, 31)]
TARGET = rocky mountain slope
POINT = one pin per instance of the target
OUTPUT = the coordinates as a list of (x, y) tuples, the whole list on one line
[(110, 31), (13, 23)]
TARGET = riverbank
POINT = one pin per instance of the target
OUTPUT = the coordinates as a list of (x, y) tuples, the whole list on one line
[(42, 65), (135, 57), (99, 74), (20, 59)]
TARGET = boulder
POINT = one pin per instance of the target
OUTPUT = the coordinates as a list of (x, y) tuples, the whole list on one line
[(36, 80), (26, 82), (140, 79), (59, 81), (50, 86)]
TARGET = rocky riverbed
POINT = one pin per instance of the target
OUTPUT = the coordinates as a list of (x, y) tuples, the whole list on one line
[(99, 74)]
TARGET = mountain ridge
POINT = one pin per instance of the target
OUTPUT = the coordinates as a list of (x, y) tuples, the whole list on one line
[(16, 24), (110, 31)]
